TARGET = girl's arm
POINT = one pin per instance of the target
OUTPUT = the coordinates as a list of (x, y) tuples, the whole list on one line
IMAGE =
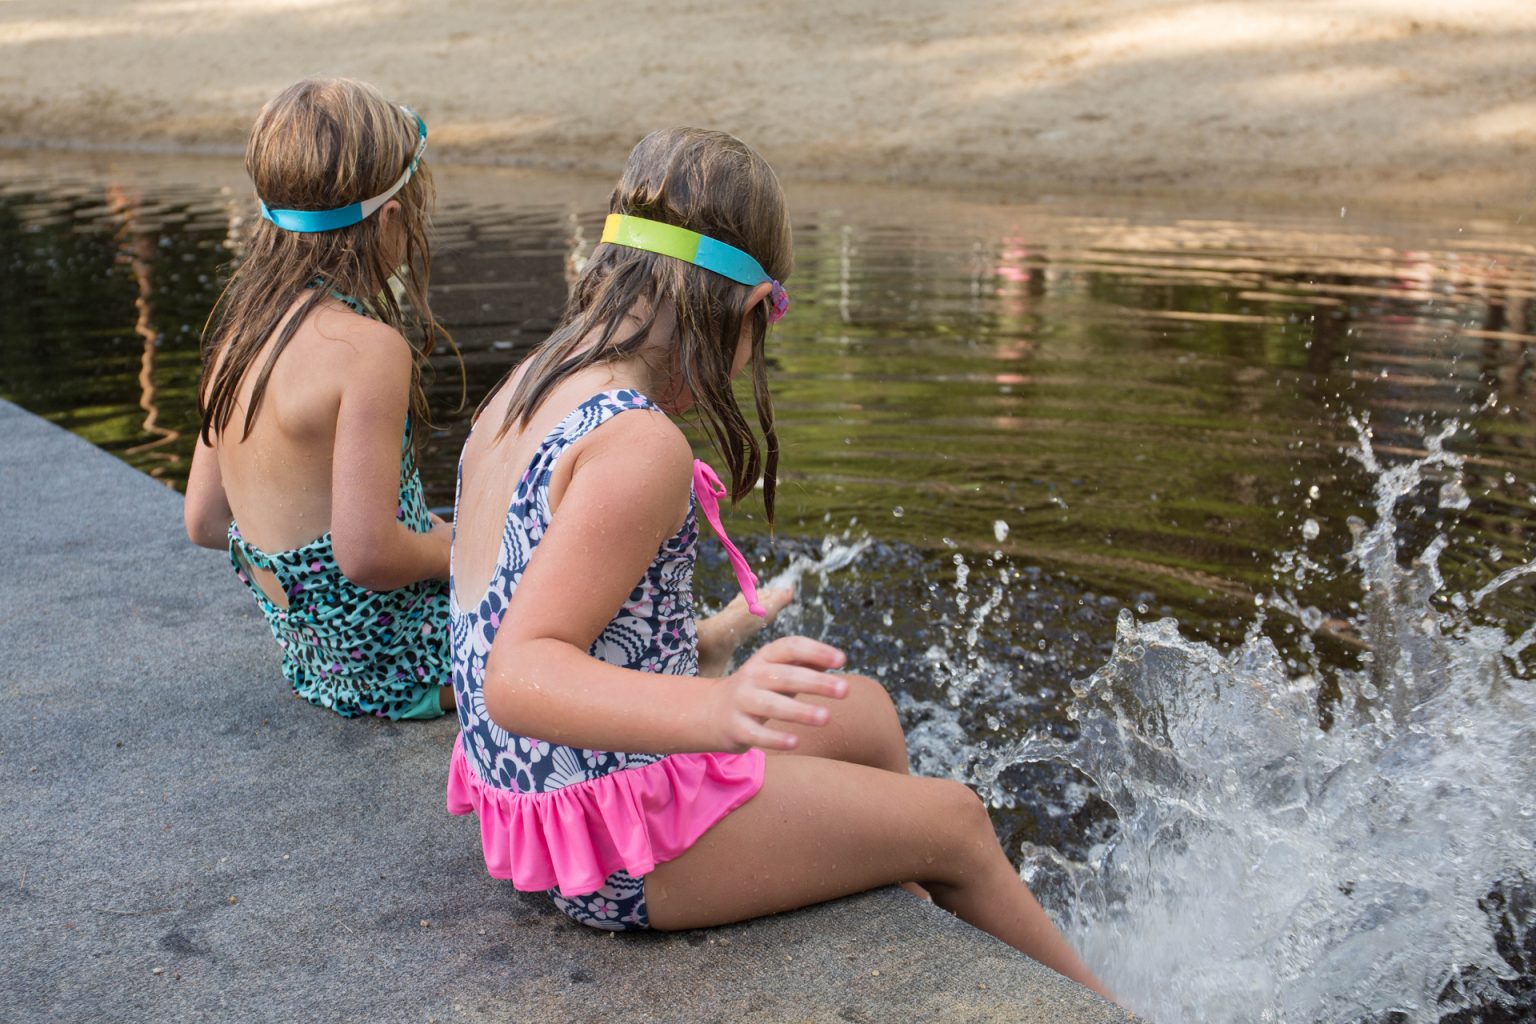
[(627, 492), (205, 511), (373, 548)]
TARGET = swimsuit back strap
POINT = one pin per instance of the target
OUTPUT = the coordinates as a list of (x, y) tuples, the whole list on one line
[(246, 551)]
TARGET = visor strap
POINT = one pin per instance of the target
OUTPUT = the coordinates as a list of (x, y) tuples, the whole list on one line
[(688, 246)]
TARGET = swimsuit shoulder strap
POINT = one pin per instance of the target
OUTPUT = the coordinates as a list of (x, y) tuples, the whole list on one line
[(578, 423), (591, 414), (354, 304)]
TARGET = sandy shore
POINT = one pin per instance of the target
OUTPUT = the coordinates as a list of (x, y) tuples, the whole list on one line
[(1339, 100)]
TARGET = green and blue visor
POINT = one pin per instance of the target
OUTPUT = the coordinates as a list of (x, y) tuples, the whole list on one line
[(310, 221), (692, 247)]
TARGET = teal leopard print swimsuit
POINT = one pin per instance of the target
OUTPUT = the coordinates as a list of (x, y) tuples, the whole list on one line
[(353, 650)]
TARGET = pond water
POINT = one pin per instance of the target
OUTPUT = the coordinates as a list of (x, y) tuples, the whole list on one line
[(1197, 537)]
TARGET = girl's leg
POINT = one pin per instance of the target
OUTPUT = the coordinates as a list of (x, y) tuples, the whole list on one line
[(862, 728), (820, 829)]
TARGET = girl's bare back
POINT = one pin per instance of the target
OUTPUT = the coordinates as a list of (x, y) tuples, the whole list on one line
[(293, 435)]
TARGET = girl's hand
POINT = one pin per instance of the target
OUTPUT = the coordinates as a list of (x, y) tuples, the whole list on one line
[(766, 687), (723, 632)]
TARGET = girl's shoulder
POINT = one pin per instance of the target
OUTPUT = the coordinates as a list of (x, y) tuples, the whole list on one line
[(638, 452), (358, 349), (361, 334), (643, 433)]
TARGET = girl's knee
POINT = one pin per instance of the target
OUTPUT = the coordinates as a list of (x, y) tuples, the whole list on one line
[(870, 698), (886, 739), (965, 812), (956, 824)]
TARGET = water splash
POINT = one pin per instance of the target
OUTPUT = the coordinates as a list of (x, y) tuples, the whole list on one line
[(1266, 868), (836, 553), (1246, 835)]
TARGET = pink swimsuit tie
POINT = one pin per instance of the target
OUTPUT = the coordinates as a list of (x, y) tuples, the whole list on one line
[(708, 489)]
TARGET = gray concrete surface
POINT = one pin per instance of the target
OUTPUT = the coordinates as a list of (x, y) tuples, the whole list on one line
[(185, 841)]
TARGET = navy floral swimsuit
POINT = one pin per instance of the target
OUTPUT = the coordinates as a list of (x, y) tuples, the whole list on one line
[(586, 825)]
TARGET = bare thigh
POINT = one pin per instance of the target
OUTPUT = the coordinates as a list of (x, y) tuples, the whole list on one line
[(862, 728), (819, 829)]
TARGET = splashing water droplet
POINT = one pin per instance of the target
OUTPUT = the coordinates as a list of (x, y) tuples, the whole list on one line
[(1000, 531), (1454, 495)]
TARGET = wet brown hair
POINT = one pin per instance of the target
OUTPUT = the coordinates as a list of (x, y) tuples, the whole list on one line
[(321, 144), (717, 185)]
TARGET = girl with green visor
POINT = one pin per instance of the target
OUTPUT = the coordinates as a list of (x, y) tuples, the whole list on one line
[(612, 756)]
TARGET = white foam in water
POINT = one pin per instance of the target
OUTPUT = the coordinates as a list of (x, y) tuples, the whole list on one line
[(1265, 869)]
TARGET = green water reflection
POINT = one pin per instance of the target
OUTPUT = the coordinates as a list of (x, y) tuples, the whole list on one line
[(1146, 402)]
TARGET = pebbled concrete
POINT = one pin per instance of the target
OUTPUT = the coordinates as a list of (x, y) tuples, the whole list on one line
[(181, 840)]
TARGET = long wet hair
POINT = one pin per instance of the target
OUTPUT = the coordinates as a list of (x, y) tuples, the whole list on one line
[(716, 185), (321, 144)]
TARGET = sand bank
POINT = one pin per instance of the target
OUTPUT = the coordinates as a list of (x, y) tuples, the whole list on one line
[(1339, 100)]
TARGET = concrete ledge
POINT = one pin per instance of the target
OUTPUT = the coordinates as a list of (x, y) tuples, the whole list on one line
[(185, 841)]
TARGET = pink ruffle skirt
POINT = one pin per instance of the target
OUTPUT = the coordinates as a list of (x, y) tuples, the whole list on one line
[(573, 838)]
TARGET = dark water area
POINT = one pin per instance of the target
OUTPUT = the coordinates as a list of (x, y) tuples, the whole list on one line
[(1005, 424)]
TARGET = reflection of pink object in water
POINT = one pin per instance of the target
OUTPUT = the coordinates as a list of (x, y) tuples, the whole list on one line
[(1415, 270), (1011, 260), (1012, 269)]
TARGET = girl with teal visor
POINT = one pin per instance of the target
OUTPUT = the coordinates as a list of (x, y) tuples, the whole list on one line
[(312, 406)]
